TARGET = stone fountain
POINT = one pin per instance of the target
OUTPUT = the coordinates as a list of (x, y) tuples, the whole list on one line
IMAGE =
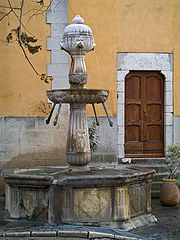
[(117, 196), (78, 41)]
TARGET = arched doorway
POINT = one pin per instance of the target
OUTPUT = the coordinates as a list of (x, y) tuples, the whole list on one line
[(160, 62)]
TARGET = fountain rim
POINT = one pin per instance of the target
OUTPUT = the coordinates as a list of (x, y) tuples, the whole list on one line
[(78, 95), (78, 90)]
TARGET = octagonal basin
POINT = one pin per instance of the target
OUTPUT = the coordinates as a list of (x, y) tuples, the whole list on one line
[(88, 96)]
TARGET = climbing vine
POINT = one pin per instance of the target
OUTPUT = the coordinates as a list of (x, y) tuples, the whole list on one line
[(93, 137)]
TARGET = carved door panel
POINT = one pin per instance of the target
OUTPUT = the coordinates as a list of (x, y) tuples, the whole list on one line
[(144, 114)]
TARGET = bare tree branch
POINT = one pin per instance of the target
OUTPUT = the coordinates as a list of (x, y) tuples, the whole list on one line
[(24, 41), (20, 23), (15, 8), (5, 15), (35, 14), (21, 44), (18, 18), (39, 11), (29, 61)]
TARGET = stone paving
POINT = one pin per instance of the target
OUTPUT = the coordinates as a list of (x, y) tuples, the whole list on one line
[(167, 227)]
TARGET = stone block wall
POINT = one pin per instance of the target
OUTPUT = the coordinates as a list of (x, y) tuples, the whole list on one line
[(59, 66), (29, 141), (107, 151), (176, 128)]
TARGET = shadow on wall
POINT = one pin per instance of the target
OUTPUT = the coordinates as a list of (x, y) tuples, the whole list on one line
[(106, 151)]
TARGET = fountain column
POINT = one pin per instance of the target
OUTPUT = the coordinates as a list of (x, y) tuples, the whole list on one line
[(77, 41), (78, 147)]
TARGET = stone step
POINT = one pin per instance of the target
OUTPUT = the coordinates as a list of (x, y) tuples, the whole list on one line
[(158, 164), (159, 176), (149, 161), (159, 168), (155, 194)]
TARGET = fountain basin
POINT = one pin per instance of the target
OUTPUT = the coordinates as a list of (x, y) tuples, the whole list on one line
[(87, 96), (115, 196)]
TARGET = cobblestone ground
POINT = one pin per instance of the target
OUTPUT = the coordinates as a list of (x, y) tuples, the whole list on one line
[(167, 227)]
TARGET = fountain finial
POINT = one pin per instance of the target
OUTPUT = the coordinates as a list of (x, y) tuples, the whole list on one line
[(78, 20), (77, 41)]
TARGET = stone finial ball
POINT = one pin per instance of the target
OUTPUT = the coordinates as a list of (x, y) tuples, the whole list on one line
[(77, 37), (78, 20)]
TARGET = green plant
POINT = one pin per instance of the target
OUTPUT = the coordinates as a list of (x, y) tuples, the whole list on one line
[(93, 137), (173, 160)]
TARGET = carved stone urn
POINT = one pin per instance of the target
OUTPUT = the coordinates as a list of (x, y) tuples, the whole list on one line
[(77, 41)]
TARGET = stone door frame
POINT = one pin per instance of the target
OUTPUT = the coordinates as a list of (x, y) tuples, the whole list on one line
[(145, 62)]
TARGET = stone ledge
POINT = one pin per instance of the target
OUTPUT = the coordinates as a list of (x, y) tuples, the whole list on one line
[(83, 234), (43, 234), (124, 238), (100, 235), (77, 234), (18, 234)]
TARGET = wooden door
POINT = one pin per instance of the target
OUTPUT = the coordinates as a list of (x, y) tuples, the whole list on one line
[(144, 114)]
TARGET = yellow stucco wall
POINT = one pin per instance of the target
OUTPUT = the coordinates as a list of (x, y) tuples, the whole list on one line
[(128, 26), (118, 26), (22, 91)]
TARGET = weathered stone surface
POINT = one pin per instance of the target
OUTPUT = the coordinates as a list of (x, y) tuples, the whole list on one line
[(55, 204), (43, 233), (137, 199), (17, 234), (113, 196), (78, 147), (78, 95), (100, 235), (82, 234), (121, 204), (124, 238), (29, 141), (92, 204), (26, 195)]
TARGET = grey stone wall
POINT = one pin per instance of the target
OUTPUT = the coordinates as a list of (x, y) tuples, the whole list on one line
[(107, 150), (176, 132), (59, 66), (29, 141)]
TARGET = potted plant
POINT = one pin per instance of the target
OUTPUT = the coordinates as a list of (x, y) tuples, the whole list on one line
[(169, 192)]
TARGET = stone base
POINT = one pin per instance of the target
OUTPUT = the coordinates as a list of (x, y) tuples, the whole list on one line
[(119, 197), (134, 222)]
